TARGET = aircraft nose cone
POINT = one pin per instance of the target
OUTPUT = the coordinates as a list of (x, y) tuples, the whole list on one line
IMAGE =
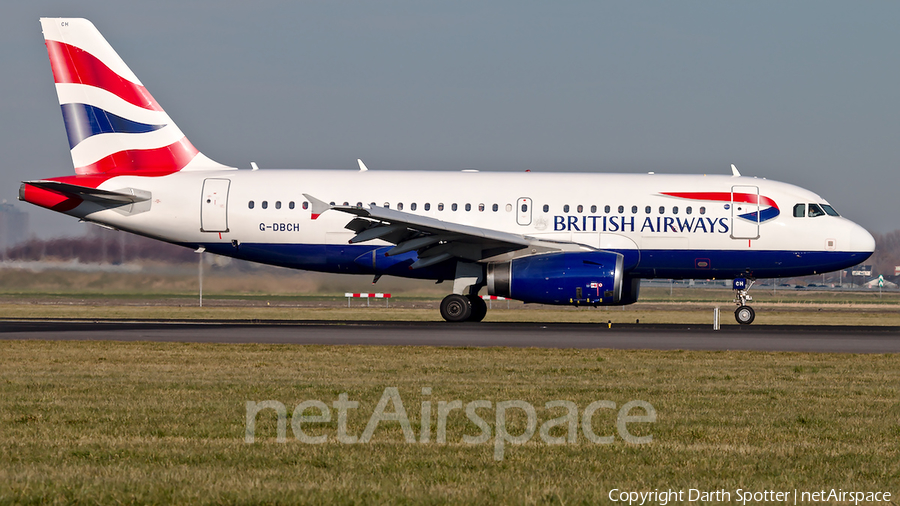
[(861, 240)]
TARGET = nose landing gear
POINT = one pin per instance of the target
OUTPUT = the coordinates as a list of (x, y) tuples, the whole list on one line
[(744, 314)]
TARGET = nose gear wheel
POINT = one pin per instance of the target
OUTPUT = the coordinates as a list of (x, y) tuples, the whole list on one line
[(744, 314)]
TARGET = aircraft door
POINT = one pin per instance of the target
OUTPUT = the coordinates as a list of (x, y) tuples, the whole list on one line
[(214, 205), (523, 211), (745, 212)]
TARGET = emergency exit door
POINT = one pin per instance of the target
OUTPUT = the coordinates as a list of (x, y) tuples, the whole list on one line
[(214, 205), (745, 212)]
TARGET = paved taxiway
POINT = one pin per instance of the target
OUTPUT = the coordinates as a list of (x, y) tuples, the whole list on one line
[(541, 335)]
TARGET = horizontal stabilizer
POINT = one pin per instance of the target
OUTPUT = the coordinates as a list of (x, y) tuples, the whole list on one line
[(121, 197)]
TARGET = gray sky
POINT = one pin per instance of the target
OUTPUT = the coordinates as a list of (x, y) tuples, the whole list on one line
[(802, 92)]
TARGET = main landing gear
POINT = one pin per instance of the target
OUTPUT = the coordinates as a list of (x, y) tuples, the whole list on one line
[(744, 314), (470, 307), (462, 308)]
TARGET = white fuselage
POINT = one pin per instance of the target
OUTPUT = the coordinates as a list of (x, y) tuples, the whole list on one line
[(670, 235)]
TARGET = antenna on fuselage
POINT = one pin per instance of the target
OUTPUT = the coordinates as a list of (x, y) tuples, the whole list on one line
[(362, 166), (734, 171)]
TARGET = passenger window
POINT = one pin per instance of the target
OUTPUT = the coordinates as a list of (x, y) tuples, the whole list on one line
[(427, 206), (815, 210), (495, 208), (524, 208), (305, 205), (453, 207), (566, 208), (358, 204), (412, 207), (593, 209), (606, 209), (346, 203), (250, 204), (278, 204), (662, 209), (509, 208), (265, 204), (400, 206), (621, 209), (332, 203), (580, 208), (829, 210), (481, 208), (702, 210), (633, 209), (387, 205), (799, 210), (688, 210), (546, 208), (291, 205), (468, 207), (372, 204), (648, 209), (674, 209), (441, 206)]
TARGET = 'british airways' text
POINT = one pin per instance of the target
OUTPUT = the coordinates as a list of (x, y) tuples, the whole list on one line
[(659, 224)]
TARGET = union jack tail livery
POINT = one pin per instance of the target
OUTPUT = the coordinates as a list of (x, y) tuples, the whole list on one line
[(114, 125)]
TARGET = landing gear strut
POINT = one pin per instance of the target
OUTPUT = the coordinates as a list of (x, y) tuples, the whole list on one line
[(465, 308), (744, 314)]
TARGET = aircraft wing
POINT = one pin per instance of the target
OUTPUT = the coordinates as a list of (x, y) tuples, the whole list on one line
[(434, 240)]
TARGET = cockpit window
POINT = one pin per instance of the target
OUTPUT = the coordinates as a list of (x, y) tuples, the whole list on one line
[(815, 210), (829, 210), (799, 210)]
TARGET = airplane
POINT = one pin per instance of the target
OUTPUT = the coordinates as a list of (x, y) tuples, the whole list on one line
[(582, 239)]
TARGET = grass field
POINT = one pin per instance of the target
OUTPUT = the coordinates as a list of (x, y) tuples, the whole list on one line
[(180, 281), (851, 310), (160, 423), (268, 293)]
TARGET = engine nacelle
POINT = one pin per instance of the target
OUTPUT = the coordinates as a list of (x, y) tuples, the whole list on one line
[(584, 278)]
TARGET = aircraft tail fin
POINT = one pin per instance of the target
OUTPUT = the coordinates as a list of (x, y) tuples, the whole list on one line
[(113, 124)]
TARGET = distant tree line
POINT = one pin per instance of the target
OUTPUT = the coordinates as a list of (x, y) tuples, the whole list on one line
[(100, 246), (887, 254)]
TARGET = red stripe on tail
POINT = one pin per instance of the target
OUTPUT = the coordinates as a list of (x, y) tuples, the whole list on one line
[(73, 65), (165, 160)]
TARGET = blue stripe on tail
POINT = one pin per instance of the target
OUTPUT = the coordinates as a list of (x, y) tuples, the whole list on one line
[(83, 121)]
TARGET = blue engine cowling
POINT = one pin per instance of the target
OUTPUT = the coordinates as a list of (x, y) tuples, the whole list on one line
[(580, 278)]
